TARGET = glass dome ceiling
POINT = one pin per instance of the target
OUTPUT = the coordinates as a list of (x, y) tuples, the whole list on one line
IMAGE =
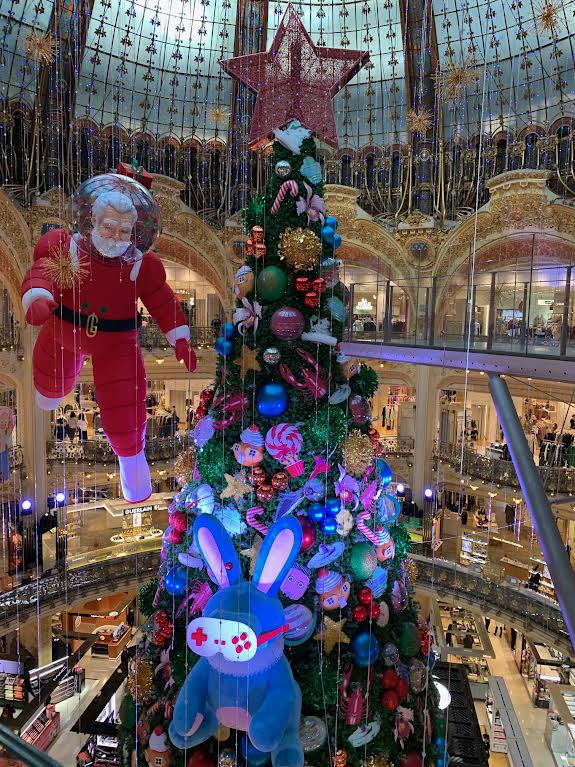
[(152, 65)]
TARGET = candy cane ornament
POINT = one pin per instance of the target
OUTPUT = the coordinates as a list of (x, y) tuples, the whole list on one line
[(251, 518), (287, 186), (377, 538)]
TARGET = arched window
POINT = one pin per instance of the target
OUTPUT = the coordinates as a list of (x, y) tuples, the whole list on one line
[(564, 148), (169, 161), (114, 151), (531, 153), (501, 156), (346, 179)]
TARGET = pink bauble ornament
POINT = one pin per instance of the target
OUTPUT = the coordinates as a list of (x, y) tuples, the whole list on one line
[(360, 410), (411, 760), (287, 323)]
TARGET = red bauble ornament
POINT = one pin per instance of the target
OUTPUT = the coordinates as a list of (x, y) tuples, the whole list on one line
[(402, 689), (360, 613), (175, 536), (364, 595), (411, 760), (389, 679), (280, 480), (199, 758), (265, 493), (389, 700), (311, 299), (179, 521), (257, 476), (159, 639), (308, 531), (319, 284), (374, 611), (302, 284)]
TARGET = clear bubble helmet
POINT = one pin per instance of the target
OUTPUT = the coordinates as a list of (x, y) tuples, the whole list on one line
[(147, 226)]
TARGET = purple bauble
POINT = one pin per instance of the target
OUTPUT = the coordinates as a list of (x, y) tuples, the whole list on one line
[(287, 323)]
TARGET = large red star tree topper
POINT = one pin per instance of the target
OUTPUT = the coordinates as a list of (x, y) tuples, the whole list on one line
[(295, 80)]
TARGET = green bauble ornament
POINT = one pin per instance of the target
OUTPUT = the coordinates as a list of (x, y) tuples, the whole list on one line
[(409, 639), (271, 283), (363, 560)]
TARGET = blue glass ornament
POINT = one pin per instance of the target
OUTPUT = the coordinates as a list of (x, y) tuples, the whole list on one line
[(337, 309), (430, 660), (329, 526), (336, 241), (176, 580), (252, 756), (272, 400), (327, 234), (384, 472), (388, 509), (316, 512), (365, 649), (332, 506), (440, 743), (331, 221), (440, 762), (229, 331), (223, 346)]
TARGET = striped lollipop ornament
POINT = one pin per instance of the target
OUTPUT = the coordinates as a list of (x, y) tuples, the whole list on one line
[(287, 186)]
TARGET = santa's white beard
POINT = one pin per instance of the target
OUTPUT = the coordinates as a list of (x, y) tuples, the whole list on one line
[(108, 247)]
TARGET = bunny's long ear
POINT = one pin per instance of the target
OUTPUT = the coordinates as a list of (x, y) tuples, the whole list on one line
[(217, 550), (279, 551)]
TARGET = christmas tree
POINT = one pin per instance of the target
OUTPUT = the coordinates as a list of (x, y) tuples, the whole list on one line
[(283, 443)]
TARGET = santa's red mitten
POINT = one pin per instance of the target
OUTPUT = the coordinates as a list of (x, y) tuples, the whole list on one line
[(184, 352), (40, 310)]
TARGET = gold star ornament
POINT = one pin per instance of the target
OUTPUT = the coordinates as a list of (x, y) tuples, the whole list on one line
[(454, 79), (236, 488), (253, 552), (419, 121), (247, 360), (332, 634), (64, 272), (40, 48)]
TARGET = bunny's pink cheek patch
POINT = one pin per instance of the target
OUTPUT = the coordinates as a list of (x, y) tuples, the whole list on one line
[(234, 717), (197, 721)]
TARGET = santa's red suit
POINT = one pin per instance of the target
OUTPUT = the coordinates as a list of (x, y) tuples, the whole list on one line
[(98, 318)]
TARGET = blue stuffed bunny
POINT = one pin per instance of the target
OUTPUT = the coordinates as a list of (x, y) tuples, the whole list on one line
[(243, 680)]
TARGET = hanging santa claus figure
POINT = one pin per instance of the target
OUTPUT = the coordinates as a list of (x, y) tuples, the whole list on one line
[(83, 290)]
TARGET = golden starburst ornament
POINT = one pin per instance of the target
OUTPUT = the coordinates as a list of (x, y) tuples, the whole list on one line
[(62, 270), (419, 121), (547, 17), (454, 79), (40, 48), (219, 115), (184, 466)]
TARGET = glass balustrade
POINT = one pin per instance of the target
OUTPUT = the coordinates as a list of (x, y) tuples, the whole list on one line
[(526, 311)]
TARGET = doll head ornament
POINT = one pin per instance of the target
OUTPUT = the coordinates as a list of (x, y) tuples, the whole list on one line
[(241, 636)]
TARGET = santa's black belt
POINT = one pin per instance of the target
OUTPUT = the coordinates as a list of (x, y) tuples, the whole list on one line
[(94, 324)]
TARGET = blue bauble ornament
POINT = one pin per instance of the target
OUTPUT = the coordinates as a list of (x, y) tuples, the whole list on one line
[(430, 660), (329, 526), (440, 743), (176, 580), (223, 346), (331, 221), (440, 762), (365, 648), (316, 512), (332, 506), (327, 234), (384, 472), (272, 400), (336, 241), (229, 331), (252, 756)]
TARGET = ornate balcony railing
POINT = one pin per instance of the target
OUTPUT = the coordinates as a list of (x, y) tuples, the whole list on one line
[(151, 337), (519, 607), (468, 461), (99, 451), (397, 446)]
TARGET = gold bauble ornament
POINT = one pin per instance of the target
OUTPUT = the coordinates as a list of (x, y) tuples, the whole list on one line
[(340, 758), (300, 248), (222, 733), (411, 568), (357, 453), (184, 466), (377, 761), (140, 680)]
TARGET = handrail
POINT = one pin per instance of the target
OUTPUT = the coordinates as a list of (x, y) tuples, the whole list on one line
[(151, 337), (533, 613), (556, 480), (521, 607), (100, 451), (21, 749)]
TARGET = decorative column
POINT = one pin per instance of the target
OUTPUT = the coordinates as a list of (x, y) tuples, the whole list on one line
[(251, 37), (33, 433), (424, 432)]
